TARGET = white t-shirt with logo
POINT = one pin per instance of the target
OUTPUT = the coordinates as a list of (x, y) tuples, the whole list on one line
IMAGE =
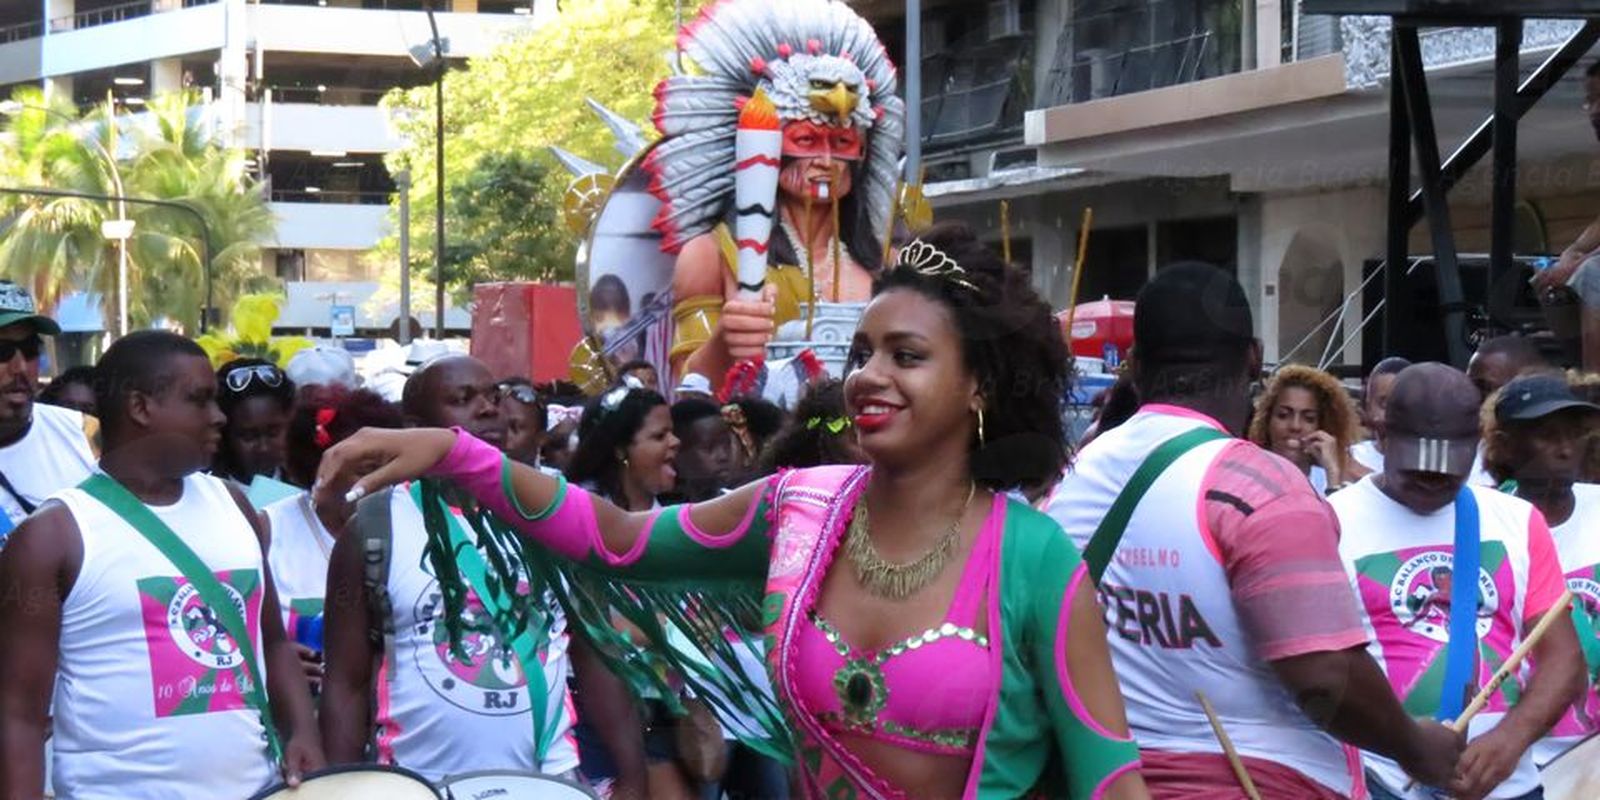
[(1401, 565), (1578, 543), (441, 716), (54, 454)]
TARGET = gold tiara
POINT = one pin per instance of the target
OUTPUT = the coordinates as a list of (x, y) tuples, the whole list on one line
[(931, 262)]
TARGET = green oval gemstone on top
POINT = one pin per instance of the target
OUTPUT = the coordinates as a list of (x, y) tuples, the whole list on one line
[(858, 690)]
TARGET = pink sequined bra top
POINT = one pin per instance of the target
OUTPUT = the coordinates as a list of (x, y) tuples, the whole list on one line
[(928, 692)]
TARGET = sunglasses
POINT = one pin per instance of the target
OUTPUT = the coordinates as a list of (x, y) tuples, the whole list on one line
[(239, 378), (29, 348), (522, 394)]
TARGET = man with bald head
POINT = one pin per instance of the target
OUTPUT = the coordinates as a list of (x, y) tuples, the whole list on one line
[(1405, 532), (432, 712), (1502, 358)]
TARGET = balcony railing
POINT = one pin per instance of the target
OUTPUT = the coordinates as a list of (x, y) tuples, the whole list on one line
[(331, 196), (103, 16), (328, 95), (21, 31), (385, 5), (1114, 48), (1308, 35)]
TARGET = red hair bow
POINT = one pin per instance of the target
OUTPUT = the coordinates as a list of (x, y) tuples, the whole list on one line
[(325, 417)]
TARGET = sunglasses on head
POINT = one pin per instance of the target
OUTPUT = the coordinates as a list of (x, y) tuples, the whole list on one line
[(239, 378), (520, 393), (29, 348)]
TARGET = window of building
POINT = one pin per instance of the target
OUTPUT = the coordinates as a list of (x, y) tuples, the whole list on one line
[(358, 178), (1116, 47), (1116, 263), (1214, 240), (974, 71)]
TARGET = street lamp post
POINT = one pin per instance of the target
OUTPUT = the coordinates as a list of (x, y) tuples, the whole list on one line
[(120, 229), (124, 227), (402, 180), (438, 178)]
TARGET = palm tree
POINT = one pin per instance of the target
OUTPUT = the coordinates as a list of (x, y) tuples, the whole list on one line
[(52, 244), (178, 158), (55, 244)]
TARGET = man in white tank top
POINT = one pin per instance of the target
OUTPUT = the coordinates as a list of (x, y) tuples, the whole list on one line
[(1226, 579), (43, 449), (1399, 548), (432, 713), (153, 693)]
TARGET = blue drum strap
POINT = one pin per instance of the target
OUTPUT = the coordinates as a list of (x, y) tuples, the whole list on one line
[(1461, 654)]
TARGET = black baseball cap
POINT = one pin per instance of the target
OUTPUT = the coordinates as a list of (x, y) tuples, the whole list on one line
[(1191, 313), (1432, 421), (1532, 397)]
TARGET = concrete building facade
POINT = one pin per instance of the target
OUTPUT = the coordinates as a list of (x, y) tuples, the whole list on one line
[(295, 83), (1240, 132)]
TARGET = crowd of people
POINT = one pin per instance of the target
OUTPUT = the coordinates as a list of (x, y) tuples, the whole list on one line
[(912, 584)]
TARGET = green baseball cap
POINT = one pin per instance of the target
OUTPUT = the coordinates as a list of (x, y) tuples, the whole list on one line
[(16, 305)]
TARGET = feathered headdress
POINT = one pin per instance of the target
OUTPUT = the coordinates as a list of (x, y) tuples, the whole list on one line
[(788, 49)]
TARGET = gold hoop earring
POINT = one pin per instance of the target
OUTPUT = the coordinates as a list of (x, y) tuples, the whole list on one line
[(981, 442)]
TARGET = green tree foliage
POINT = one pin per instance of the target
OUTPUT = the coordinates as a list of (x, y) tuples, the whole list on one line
[(171, 152), (498, 228), (502, 113)]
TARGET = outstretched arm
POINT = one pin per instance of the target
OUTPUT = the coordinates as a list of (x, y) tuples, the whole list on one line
[(667, 543)]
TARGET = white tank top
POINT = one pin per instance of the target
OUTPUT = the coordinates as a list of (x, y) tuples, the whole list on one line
[(441, 717), (55, 454), (298, 556), (147, 699), (1169, 613)]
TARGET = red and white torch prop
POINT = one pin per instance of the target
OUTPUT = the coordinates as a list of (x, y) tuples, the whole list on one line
[(758, 148)]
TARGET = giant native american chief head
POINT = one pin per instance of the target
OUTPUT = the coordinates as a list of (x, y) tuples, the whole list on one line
[(776, 171)]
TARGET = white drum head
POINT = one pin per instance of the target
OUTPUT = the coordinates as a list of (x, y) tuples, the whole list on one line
[(367, 782), (507, 785), (1575, 774)]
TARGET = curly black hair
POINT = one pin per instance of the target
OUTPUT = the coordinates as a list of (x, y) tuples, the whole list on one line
[(608, 426), (806, 440), (1013, 346), (346, 411)]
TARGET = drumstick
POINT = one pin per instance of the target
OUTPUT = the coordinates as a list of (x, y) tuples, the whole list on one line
[(1557, 611), (1239, 771)]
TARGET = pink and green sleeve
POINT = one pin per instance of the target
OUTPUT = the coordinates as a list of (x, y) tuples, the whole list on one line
[(1039, 717), (669, 545)]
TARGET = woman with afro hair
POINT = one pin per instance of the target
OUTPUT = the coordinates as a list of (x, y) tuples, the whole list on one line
[(930, 636)]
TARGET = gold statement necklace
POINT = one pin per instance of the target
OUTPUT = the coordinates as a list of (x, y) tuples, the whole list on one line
[(893, 581)]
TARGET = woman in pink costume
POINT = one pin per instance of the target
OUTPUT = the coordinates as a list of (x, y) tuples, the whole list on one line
[(931, 638)]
